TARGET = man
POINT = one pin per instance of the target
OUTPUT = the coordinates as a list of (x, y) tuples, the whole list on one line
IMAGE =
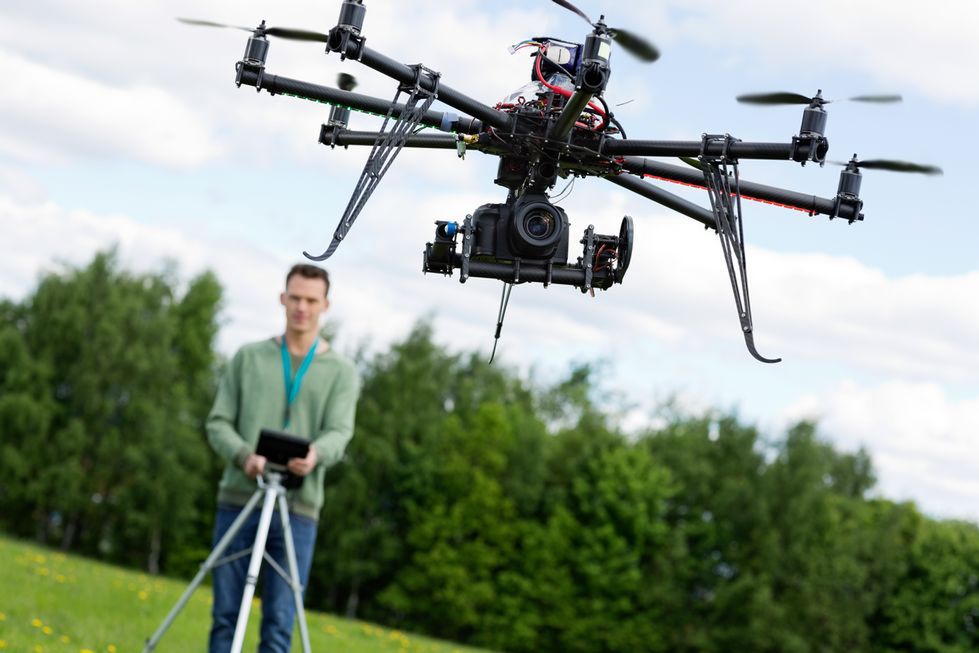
[(293, 383)]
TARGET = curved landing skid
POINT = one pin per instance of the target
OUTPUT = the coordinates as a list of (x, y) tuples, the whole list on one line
[(749, 341)]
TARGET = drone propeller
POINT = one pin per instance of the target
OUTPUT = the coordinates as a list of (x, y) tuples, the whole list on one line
[(796, 98), (632, 43), (207, 23), (892, 165), (346, 82), (692, 162), (262, 30), (635, 45), (570, 7)]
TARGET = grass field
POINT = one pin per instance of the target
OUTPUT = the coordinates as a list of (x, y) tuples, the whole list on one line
[(53, 603)]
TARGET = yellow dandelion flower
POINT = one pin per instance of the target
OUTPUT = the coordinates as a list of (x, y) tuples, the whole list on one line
[(47, 630), (60, 578), (42, 571), (38, 648), (39, 559), (86, 650), (142, 595), (37, 623), (3, 644), (3, 617), (65, 639), (111, 648)]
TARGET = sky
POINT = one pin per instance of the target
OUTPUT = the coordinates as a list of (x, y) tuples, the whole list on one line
[(121, 126)]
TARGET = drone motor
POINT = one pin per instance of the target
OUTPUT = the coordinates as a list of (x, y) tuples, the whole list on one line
[(347, 30), (257, 49)]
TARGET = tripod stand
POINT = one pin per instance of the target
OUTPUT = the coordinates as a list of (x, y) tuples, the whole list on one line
[(270, 492)]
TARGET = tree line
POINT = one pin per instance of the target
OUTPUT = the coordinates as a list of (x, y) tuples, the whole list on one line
[(474, 503)]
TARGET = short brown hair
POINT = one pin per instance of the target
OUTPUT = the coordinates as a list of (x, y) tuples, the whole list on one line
[(308, 271)]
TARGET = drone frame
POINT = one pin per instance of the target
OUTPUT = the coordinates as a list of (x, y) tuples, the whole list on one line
[(624, 162)]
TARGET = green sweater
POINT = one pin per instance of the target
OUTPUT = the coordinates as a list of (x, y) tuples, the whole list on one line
[(251, 396)]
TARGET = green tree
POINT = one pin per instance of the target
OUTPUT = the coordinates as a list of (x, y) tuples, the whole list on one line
[(713, 582), (933, 606), (362, 527), (27, 411), (819, 574), (578, 581), (126, 365), (461, 530)]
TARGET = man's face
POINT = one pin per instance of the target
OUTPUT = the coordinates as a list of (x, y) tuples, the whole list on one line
[(304, 301)]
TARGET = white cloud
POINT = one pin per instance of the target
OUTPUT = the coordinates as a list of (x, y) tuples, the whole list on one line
[(41, 237), (918, 326), (51, 113), (368, 299), (21, 186), (807, 307), (124, 79), (922, 442), (932, 47)]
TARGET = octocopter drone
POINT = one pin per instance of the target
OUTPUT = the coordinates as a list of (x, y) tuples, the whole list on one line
[(556, 126)]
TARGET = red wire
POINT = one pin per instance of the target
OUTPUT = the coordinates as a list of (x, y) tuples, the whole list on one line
[(747, 197), (562, 91), (598, 255)]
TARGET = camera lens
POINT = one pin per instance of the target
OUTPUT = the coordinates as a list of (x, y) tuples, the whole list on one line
[(539, 224), (536, 227)]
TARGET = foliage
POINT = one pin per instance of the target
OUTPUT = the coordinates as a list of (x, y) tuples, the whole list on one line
[(474, 504), (110, 377)]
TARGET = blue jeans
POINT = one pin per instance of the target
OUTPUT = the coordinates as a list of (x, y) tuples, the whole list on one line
[(278, 605)]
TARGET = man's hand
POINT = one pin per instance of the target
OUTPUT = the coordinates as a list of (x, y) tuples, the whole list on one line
[(303, 466), (254, 465)]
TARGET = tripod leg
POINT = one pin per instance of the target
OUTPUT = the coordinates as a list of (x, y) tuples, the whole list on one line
[(297, 587), (254, 566), (206, 566)]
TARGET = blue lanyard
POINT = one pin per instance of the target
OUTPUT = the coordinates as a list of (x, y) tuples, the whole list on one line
[(293, 385)]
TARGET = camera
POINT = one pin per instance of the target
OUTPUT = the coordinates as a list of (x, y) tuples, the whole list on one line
[(526, 239)]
